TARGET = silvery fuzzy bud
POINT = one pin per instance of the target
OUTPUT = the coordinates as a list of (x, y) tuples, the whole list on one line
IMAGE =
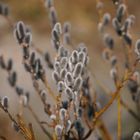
[(57, 66), (17, 37), (55, 44), (56, 76), (48, 60), (69, 93), (137, 47), (82, 57), (127, 25), (62, 114), (70, 65), (2, 62), (79, 128), (136, 97), (60, 86), (136, 136), (63, 62), (63, 52), (74, 57), (53, 117), (82, 48), (106, 19), (109, 41), (120, 12), (116, 2), (132, 18), (106, 55), (53, 16), (69, 79), (19, 91), (136, 75), (86, 60), (67, 38), (68, 125), (32, 59), (63, 73), (28, 39), (9, 65), (4, 10), (15, 126), (128, 39), (26, 52), (117, 26), (27, 94), (5, 102), (58, 28), (58, 131), (113, 60), (55, 35), (113, 74), (12, 79), (24, 100), (78, 69), (66, 27), (48, 3), (78, 83), (43, 95), (21, 29)]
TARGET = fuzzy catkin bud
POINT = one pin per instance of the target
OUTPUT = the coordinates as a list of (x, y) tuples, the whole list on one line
[(62, 114), (57, 66), (10, 65), (55, 35), (12, 79), (69, 79), (4, 10), (82, 57), (120, 12), (60, 86), (113, 60), (113, 74), (58, 130), (66, 27), (78, 83), (66, 38), (106, 19), (68, 125), (137, 47), (43, 95), (63, 73), (74, 56), (63, 62), (21, 29), (15, 126), (56, 76), (136, 136), (69, 93), (28, 39), (5, 102), (53, 16), (78, 69), (117, 26), (58, 28), (128, 39), (53, 117), (109, 41)]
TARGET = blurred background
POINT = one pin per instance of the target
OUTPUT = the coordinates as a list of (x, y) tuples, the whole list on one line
[(83, 16)]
